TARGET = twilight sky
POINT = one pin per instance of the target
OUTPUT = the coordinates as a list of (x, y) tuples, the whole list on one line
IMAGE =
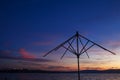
[(30, 28)]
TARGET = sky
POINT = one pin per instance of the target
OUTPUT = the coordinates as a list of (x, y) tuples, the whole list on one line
[(30, 28)]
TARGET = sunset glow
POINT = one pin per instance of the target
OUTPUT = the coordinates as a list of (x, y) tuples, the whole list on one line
[(29, 29)]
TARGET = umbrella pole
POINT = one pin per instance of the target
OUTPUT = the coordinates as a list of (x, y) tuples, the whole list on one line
[(78, 68)]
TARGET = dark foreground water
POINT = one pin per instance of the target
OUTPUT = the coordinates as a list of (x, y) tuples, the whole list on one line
[(59, 76)]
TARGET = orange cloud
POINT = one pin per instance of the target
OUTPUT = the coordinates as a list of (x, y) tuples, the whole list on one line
[(25, 54)]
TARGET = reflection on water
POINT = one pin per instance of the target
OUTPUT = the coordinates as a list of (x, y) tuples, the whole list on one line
[(59, 76)]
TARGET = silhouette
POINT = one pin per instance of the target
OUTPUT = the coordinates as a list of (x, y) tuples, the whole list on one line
[(77, 45)]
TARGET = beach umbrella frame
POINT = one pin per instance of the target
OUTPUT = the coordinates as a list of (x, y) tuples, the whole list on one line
[(78, 48)]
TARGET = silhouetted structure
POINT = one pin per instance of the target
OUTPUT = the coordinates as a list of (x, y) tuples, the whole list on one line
[(77, 44)]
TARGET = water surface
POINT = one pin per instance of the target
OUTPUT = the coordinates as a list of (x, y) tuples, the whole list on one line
[(57, 76)]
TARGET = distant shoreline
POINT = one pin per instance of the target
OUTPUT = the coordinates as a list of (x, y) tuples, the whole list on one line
[(44, 71)]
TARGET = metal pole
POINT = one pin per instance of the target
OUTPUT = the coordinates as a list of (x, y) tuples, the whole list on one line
[(78, 67), (75, 50), (77, 36)]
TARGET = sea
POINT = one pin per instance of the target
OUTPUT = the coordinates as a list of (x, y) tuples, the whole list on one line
[(58, 76)]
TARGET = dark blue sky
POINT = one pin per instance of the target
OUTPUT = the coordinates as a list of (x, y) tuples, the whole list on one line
[(36, 26)]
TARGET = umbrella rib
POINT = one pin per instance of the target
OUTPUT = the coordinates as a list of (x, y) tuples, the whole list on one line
[(67, 49), (97, 45), (84, 47)]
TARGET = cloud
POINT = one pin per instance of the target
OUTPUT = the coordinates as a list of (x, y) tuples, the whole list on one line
[(25, 54), (95, 63), (114, 44), (92, 68), (6, 53), (45, 40), (21, 54), (27, 59)]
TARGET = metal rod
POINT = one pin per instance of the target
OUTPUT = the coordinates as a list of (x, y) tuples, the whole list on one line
[(78, 55), (98, 45), (78, 67), (87, 54), (70, 44), (56, 48), (64, 42), (77, 35), (87, 49), (69, 50), (84, 47)]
